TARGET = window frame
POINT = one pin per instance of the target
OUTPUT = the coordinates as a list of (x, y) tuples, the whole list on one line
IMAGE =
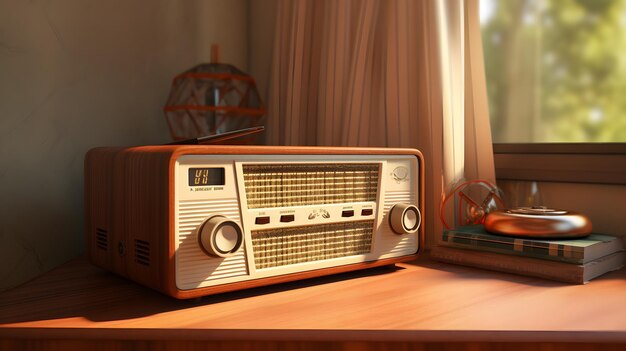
[(595, 163)]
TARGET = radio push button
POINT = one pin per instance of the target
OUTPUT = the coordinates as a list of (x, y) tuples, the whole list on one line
[(219, 236), (347, 213), (367, 212), (287, 218), (405, 218), (262, 220)]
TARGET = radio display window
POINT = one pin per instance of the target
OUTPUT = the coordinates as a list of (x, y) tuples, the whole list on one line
[(206, 176)]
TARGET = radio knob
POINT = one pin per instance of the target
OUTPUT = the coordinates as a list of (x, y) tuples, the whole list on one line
[(219, 236), (405, 218)]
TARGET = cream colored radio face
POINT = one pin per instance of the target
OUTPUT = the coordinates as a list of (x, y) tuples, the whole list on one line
[(254, 216)]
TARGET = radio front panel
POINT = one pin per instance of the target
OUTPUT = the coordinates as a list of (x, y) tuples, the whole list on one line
[(246, 217)]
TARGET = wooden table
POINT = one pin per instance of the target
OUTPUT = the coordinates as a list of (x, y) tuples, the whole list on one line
[(420, 305)]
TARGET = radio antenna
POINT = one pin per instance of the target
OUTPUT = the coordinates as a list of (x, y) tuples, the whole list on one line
[(218, 138)]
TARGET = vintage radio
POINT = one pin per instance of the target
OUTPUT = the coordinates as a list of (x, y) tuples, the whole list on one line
[(197, 220)]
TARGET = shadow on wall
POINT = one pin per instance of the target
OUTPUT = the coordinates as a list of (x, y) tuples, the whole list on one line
[(78, 75)]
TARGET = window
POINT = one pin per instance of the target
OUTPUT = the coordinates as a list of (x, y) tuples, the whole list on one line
[(556, 69), (556, 84)]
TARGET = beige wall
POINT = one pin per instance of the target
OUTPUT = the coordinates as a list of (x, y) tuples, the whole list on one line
[(78, 74)]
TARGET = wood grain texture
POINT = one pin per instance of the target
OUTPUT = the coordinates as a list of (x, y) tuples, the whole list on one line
[(69, 345), (129, 192), (414, 303), (125, 195)]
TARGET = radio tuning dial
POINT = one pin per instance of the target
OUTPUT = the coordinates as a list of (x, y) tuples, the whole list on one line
[(405, 218), (219, 236), (400, 173)]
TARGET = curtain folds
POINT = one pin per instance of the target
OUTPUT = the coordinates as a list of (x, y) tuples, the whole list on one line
[(394, 73)]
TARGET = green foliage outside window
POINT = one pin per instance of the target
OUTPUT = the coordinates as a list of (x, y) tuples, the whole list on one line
[(556, 69)]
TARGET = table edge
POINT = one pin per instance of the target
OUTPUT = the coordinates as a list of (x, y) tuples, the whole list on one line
[(193, 334)]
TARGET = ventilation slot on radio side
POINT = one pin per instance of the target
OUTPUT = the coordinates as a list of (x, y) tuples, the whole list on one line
[(309, 184), (102, 239), (284, 246), (142, 252)]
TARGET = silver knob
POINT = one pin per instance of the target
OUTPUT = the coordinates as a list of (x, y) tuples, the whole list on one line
[(405, 218), (219, 236)]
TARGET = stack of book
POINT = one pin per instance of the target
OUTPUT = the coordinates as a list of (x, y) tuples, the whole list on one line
[(571, 261)]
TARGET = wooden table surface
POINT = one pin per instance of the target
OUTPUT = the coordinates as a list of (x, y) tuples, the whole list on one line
[(420, 301)]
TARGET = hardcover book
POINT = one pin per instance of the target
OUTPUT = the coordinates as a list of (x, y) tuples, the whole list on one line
[(574, 251), (559, 271)]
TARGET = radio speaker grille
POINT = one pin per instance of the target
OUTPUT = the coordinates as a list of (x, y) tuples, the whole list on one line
[(102, 239), (274, 185), (284, 246), (142, 252)]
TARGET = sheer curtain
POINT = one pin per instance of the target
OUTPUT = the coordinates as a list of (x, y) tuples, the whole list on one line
[(396, 73)]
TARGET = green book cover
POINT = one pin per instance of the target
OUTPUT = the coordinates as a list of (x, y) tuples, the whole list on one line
[(576, 251)]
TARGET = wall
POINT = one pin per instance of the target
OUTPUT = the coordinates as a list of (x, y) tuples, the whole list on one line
[(79, 74)]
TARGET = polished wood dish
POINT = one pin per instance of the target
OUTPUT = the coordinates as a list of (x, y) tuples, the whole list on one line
[(538, 222)]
